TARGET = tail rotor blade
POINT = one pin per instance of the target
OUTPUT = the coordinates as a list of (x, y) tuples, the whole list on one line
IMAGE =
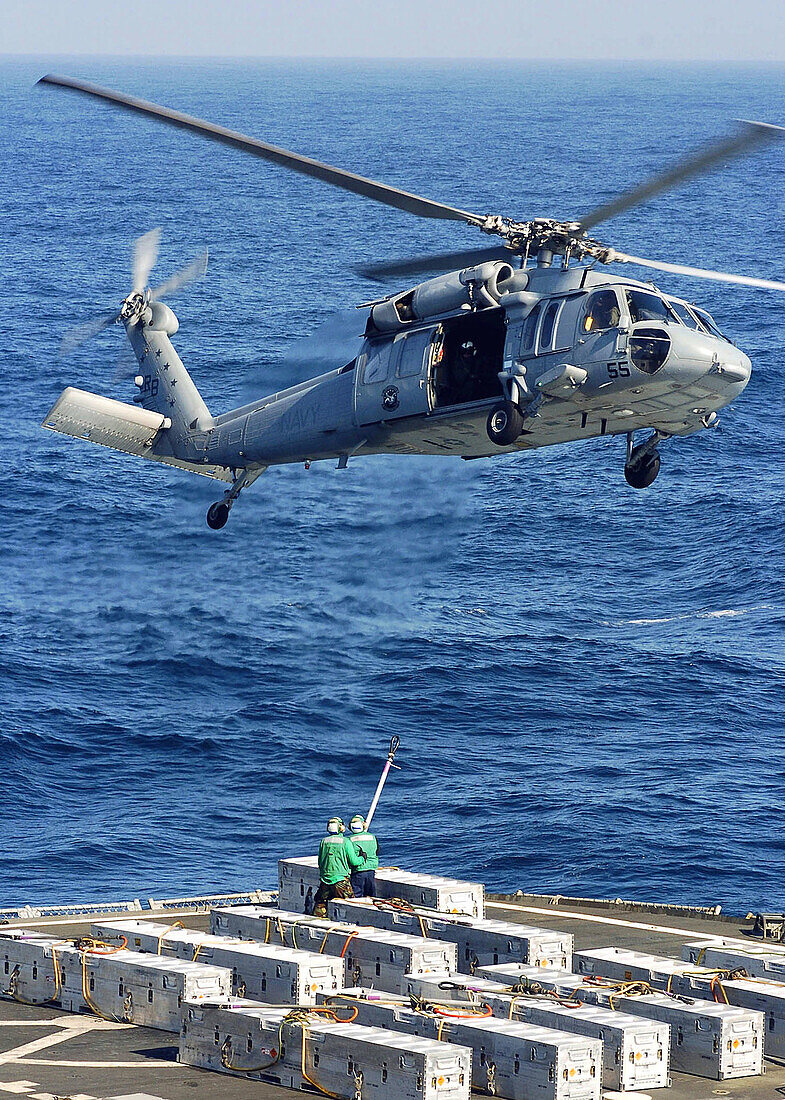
[(698, 272), (188, 274), (126, 366), (145, 254), (80, 334)]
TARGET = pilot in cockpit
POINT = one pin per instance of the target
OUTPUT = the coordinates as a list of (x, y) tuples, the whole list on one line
[(602, 313)]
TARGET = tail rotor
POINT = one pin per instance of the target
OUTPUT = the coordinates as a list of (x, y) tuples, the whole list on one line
[(144, 256)]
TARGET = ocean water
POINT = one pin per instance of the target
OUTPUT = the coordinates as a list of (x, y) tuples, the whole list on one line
[(587, 681)]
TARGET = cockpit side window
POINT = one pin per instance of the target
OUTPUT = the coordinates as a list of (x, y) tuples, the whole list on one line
[(602, 311), (644, 306)]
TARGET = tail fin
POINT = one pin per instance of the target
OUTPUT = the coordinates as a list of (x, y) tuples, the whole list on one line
[(137, 431), (165, 386)]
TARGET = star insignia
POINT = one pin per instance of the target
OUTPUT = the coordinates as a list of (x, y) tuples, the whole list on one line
[(174, 382), (158, 353)]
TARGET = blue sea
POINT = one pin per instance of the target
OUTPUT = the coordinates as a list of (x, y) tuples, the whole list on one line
[(587, 680)]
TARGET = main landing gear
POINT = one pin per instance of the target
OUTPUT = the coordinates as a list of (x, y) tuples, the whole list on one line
[(218, 513), (643, 462), (504, 424)]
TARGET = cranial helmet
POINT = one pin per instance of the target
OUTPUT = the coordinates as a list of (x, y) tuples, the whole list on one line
[(357, 824), (335, 825)]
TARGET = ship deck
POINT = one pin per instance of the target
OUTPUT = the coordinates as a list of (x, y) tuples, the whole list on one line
[(46, 1053)]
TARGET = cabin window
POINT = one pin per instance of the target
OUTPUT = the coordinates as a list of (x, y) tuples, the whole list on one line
[(530, 329), (567, 322), (414, 346), (377, 364), (644, 306), (602, 311), (548, 324)]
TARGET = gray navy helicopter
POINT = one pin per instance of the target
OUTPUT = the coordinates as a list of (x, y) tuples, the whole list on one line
[(522, 345)]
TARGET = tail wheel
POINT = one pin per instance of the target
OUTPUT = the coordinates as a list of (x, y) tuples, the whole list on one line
[(504, 424), (217, 515), (641, 473)]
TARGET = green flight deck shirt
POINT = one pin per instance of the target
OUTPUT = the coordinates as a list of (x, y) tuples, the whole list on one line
[(366, 848), (337, 859)]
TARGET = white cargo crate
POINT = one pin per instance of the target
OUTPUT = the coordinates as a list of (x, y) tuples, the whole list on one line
[(298, 881), (510, 1059), (710, 1040), (635, 1051), (758, 961), (261, 971), (480, 942), (372, 956), (31, 966), (691, 980), (344, 1060), (137, 988)]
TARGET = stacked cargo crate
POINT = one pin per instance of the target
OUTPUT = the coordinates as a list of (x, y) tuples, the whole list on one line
[(415, 994)]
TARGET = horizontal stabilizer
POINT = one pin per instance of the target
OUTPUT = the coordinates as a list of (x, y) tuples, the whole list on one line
[(123, 427)]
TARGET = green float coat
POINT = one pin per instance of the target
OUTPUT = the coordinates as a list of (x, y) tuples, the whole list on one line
[(369, 857), (337, 859)]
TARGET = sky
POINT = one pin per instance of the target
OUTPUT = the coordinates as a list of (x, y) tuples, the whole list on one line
[(735, 30)]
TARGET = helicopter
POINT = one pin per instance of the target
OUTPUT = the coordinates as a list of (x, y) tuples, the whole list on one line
[(522, 345)]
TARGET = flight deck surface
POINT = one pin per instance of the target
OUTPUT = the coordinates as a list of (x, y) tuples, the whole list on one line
[(46, 1053)]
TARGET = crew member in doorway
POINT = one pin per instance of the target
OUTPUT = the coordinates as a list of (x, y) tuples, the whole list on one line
[(466, 373), (337, 860), (366, 847)]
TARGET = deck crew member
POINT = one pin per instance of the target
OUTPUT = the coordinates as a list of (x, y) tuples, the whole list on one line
[(366, 847), (337, 860)]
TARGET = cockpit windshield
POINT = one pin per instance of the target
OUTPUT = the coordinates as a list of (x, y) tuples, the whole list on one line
[(707, 322), (644, 306), (684, 315)]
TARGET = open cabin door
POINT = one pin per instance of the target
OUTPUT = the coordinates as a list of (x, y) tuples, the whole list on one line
[(392, 376)]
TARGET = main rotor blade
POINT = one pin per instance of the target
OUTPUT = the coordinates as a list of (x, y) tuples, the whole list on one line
[(380, 192), (335, 342), (188, 274), (80, 334), (445, 261), (145, 253), (699, 272), (752, 134)]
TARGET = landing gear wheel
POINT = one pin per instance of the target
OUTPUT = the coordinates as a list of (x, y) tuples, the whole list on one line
[(217, 515), (641, 473), (504, 424)]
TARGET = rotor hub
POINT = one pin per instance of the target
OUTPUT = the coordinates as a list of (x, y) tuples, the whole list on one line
[(133, 306)]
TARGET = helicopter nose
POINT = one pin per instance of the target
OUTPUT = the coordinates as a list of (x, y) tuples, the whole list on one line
[(732, 366)]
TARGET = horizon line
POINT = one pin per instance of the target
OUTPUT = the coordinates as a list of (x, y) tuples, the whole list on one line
[(550, 60)]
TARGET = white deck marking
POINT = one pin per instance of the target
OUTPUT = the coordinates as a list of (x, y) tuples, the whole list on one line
[(78, 1025), (74, 1023), (92, 918), (143, 1063), (691, 933), (19, 1087)]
